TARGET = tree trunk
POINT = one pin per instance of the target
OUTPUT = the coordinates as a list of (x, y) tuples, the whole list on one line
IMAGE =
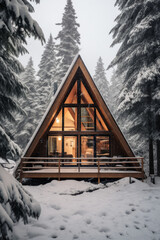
[(151, 160), (158, 157)]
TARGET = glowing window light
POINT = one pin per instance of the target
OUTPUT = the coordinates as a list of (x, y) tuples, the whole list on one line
[(57, 120)]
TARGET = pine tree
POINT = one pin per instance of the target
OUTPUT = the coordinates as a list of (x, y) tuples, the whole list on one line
[(101, 80), (69, 41), (27, 123), (138, 60), (157, 122), (15, 25), (114, 91), (46, 73)]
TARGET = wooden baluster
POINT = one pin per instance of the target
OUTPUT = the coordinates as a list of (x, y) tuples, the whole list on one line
[(79, 164)]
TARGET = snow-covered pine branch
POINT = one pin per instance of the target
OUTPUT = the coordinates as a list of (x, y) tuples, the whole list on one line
[(16, 24), (137, 30), (15, 204)]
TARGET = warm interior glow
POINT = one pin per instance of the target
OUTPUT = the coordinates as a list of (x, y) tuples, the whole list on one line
[(54, 146), (85, 97), (70, 119), (70, 148), (80, 118), (100, 125), (87, 149), (72, 97), (57, 120), (102, 146), (57, 125), (87, 118)]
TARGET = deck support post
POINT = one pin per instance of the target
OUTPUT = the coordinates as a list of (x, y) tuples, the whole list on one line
[(78, 166), (130, 180), (99, 180)]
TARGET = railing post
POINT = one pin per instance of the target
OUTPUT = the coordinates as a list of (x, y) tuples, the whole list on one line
[(78, 164), (59, 169), (98, 167), (98, 172)]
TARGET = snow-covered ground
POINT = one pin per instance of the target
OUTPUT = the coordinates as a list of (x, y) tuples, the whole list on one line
[(117, 210)]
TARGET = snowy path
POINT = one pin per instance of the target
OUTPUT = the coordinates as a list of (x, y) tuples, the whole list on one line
[(121, 211)]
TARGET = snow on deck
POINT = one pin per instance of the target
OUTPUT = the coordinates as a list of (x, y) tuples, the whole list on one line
[(75, 170)]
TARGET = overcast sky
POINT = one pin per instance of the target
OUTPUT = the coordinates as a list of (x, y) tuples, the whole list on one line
[(96, 19)]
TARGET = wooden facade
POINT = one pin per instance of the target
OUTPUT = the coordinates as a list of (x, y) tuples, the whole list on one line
[(77, 130)]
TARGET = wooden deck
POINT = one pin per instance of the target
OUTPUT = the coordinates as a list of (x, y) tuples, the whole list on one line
[(74, 168)]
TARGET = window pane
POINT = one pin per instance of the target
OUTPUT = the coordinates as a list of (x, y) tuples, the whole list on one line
[(70, 119), (87, 119), (87, 149), (54, 146), (85, 97), (57, 125), (102, 146), (70, 148), (72, 97), (100, 125)]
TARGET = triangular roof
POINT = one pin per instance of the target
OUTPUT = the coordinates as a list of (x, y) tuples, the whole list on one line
[(58, 99)]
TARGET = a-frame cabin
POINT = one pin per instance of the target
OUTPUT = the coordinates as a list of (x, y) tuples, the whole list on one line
[(78, 131)]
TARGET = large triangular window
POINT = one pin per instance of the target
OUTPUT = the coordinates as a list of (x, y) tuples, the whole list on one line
[(78, 112), (79, 128)]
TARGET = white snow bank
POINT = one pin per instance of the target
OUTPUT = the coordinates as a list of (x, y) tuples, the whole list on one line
[(72, 187), (116, 211)]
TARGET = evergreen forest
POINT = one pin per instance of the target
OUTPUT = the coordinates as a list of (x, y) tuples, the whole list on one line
[(132, 94)]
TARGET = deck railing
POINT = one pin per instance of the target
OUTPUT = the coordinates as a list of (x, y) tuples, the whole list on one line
[(99, 165)]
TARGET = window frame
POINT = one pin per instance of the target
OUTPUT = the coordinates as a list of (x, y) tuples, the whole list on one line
[(79, 132)]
